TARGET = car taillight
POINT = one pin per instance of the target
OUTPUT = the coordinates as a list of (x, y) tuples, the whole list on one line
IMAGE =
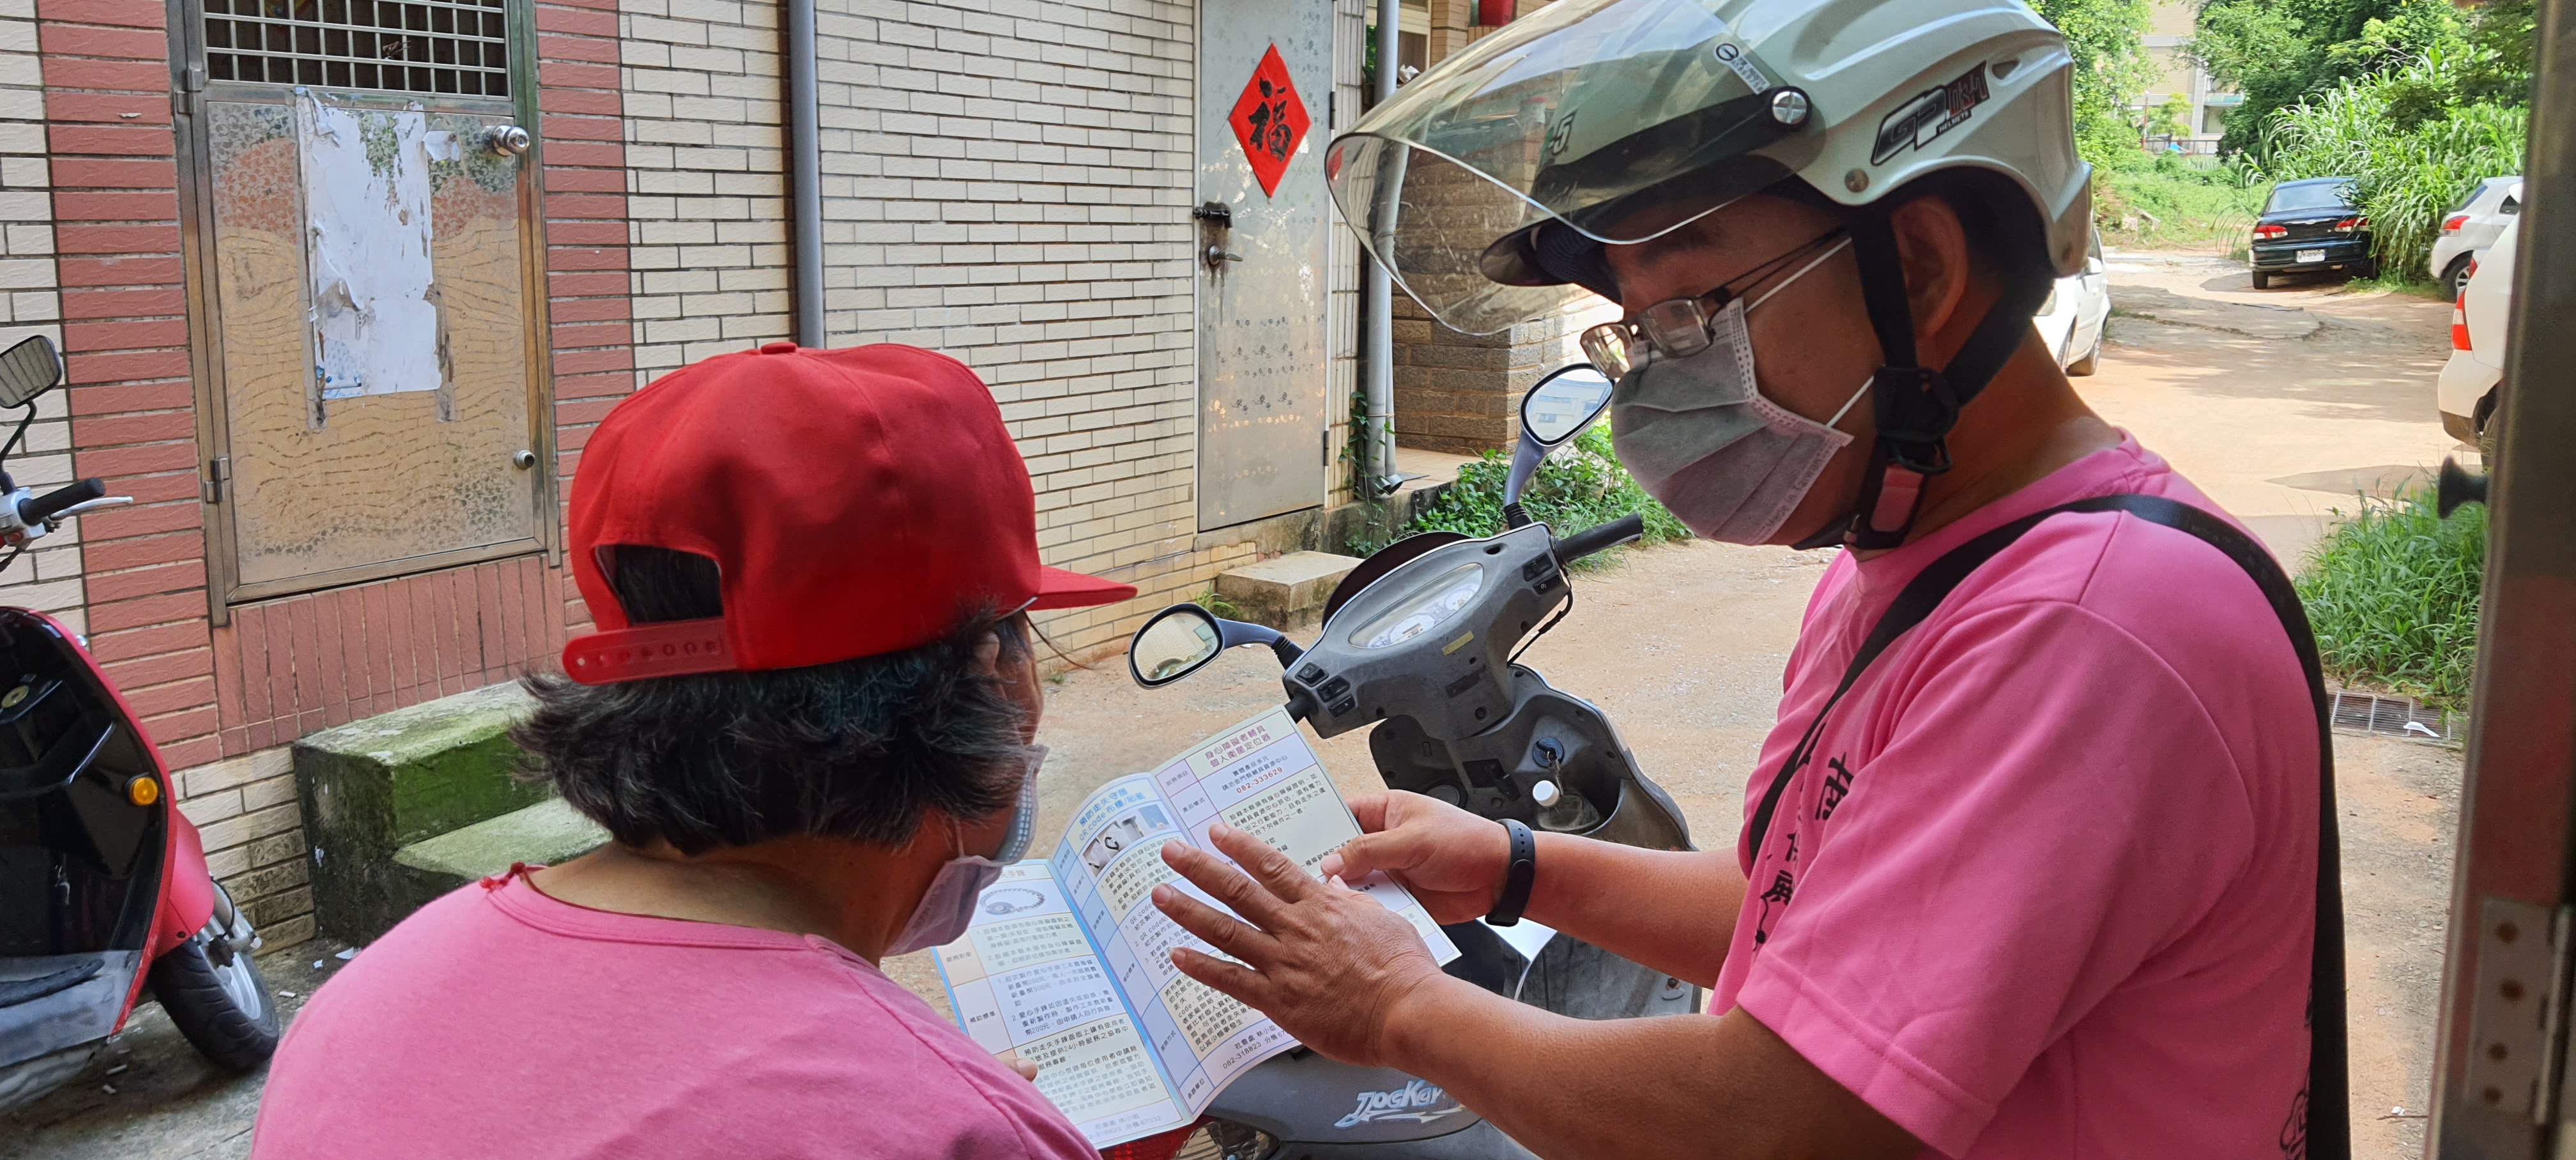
[(2268, 232), (2455, 223), (2460, 310), (2351, 224)]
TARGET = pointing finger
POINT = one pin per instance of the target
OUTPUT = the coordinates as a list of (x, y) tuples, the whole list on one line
[(1285, 879), (1213, 928), (1224, 883)]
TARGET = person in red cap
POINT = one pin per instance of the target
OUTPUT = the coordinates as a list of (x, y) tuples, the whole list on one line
[(806, 723)]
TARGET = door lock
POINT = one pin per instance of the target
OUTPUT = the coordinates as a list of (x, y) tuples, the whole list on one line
[(1216, 225), (505, 141)]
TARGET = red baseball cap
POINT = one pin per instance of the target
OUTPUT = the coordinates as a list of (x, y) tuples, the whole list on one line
[(856, 503)]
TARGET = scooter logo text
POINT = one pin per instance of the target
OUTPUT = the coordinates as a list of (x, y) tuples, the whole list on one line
[(1416, 1101)]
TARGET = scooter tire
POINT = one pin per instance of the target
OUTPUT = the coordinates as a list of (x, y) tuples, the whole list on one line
[(190, 982)]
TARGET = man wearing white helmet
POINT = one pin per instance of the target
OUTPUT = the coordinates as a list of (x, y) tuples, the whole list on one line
[(2039, 860)]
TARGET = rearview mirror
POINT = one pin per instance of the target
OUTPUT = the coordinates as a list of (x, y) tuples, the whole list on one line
[(1564, 403), (1182, 639), (1173, 645), (1557, 409), (27, 370)]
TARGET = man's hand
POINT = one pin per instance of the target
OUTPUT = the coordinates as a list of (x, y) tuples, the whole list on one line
[(1452, 860), (1329, 964)]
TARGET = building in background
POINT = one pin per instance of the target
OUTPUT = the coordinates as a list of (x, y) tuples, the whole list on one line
[(342, 332), (2182, 110)]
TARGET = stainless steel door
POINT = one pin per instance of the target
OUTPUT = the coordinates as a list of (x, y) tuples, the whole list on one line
[(367, 264), (1265, 77)]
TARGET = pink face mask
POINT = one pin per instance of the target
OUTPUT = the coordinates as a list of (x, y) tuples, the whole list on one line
[(949, 905)]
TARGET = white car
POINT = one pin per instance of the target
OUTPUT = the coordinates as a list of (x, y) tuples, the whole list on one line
[(2071, 320), (2467, 395), (2482, 216)]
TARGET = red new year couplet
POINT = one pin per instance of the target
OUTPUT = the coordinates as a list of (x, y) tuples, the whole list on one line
[(1269, 120)]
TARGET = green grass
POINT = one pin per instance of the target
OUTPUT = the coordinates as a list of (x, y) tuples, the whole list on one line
[(1581, 485), (2410, 283), (2393, 596), (2175, 203)]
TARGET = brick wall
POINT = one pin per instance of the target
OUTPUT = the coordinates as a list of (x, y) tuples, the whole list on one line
[(1010, 183), (223, 702), (706, 178), (588, 274), (31, 302), (1461, 393)]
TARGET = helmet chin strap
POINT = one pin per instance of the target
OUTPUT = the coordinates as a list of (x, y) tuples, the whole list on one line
[(1915, 405)]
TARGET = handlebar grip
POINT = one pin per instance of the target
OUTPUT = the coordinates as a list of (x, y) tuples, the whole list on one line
[(52, 503), (1605, 536)]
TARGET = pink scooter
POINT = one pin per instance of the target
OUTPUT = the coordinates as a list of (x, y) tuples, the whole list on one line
[(103, 884)]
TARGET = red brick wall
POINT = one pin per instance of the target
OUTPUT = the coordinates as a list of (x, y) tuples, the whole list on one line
[(579, 93), (125, 340), (286, 667)]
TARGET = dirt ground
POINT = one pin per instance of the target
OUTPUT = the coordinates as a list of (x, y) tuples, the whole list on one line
[(2281, 405)]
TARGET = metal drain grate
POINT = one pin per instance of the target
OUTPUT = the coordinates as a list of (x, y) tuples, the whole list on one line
[(458, 47), (2377, 715)]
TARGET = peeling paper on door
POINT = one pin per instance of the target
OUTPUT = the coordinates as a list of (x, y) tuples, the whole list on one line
[(367, 220)]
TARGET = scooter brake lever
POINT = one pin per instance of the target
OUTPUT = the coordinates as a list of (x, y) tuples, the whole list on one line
[(86, 506)]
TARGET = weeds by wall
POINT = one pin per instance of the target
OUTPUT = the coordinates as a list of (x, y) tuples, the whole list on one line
[(1583, 484), (2393, 597)]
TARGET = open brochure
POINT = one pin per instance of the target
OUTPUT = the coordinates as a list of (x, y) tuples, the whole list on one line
[(1068, 962)]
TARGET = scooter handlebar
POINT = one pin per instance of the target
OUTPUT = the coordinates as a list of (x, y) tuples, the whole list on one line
[(53, 503), (1600, 538)]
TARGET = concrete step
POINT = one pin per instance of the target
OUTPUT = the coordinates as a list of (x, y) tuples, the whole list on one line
[(1285, 591), (371, 788), (546, 833)]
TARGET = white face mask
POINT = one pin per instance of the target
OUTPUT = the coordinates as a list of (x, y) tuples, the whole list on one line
[(945, 909), (1699, 436)]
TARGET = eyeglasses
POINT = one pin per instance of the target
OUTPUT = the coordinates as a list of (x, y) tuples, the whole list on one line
[(1678, 327)]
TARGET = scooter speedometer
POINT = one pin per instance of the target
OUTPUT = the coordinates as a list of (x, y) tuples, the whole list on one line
[(1424, 609)]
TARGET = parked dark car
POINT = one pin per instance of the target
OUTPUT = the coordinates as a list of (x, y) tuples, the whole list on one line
[(2311, 225)]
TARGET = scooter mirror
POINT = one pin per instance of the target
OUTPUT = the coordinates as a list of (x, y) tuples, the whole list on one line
[(27, 370), (1564, 403), (1173, 645), (1557, 409)]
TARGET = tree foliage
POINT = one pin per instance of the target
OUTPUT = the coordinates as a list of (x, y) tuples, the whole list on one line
[(2105, 39), (2281, 53)]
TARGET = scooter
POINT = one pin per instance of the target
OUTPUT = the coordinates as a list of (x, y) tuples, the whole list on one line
[(103, 884), (1419, 646)]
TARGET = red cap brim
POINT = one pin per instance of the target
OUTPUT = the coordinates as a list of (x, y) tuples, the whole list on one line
[(1058, 588)]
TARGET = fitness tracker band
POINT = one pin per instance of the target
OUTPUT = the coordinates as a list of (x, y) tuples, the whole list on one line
[(1517, 876)]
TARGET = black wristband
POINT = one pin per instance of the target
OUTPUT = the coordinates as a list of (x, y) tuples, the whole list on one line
[(1518, 873)]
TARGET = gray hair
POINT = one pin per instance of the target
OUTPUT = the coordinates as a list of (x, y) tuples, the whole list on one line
[(857, 750)]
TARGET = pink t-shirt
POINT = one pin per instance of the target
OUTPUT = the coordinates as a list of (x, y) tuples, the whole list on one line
[(497, 1021), (2047, 887)]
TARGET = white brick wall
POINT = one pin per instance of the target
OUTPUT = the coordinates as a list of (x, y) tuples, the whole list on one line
[(1007, 181), (706, 178), (31, 303)]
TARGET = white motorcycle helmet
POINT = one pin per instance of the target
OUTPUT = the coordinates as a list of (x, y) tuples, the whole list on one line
[(1488, 185)]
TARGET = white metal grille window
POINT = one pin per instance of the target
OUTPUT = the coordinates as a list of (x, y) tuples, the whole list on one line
[(458, 47)]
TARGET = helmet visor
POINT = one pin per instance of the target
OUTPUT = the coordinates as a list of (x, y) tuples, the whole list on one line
[(1621, 119)]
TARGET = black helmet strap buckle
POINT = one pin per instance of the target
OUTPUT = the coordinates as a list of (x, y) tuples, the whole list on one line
[(1916, 406)]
